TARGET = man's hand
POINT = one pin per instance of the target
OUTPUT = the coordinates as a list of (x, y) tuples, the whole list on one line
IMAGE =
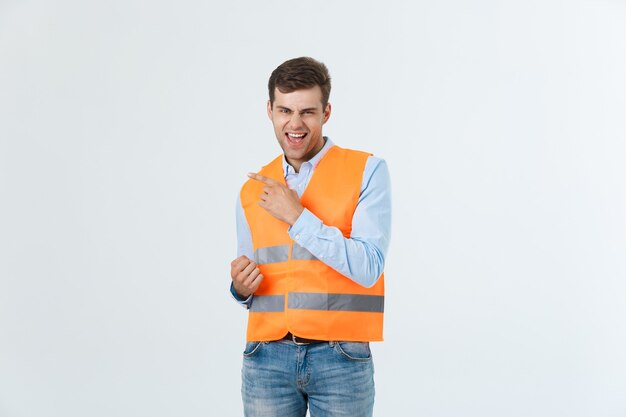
[(245, 275), (278, 200)]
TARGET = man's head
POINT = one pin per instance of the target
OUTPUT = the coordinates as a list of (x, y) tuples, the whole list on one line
[(298, 107), (300, 74)]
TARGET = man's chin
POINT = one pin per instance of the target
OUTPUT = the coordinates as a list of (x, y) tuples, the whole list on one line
[(294, 153), (292, 157)]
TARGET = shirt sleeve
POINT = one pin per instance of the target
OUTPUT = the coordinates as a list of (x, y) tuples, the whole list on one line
[(362, 256), (244, 247)]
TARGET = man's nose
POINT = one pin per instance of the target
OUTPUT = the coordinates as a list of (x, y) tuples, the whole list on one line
[(295, 121)]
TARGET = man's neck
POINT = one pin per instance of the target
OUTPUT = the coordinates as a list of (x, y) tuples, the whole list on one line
[(296, 167)]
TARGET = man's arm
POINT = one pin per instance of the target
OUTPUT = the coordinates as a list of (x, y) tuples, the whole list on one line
[(245, 253), (360, 257)]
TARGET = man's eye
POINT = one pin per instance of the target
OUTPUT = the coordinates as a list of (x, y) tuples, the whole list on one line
[(284, 111)]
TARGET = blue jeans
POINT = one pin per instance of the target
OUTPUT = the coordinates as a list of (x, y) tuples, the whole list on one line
[(280, 379)]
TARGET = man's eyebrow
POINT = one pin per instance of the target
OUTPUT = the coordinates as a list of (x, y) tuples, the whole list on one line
[(278, 106)]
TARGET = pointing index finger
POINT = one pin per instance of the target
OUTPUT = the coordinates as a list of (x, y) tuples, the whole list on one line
[(263, 179)]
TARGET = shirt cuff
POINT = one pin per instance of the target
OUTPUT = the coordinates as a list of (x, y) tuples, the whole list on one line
[(244, 302), (305, 227)]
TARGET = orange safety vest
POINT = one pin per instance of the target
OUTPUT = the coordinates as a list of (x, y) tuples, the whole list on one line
[(299, 293)]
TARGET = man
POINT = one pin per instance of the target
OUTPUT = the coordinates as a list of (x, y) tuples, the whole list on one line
[(313, 230)]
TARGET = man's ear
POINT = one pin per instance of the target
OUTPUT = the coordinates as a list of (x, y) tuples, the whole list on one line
[(327, 113), (269, 109)]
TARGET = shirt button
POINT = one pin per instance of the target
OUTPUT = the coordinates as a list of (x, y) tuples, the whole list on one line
[(297, 237)]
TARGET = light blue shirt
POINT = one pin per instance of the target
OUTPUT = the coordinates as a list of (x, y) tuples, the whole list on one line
[(360, 257)]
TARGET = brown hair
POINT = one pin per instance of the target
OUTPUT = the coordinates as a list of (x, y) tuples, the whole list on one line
[(297, 74)]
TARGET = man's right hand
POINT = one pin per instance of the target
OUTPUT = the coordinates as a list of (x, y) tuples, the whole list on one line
[(246, 276)]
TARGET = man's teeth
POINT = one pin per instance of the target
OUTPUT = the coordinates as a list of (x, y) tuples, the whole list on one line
[(296, 135)]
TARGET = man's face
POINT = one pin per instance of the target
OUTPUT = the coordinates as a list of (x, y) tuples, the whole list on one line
[(298, 118)]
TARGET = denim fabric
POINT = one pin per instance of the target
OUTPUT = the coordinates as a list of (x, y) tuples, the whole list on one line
[(282, 379)]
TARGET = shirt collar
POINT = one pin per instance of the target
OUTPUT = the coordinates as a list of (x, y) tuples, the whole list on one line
[(288, 169)]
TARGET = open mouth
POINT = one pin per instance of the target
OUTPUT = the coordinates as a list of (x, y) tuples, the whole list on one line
[(295, 138)]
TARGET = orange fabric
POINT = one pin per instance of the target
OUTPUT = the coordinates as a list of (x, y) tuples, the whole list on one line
[(332, 195)]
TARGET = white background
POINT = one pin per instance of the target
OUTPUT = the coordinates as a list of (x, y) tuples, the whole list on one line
[(127, 128)]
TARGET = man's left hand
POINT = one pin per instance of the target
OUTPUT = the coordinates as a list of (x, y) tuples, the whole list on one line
[(278, 200)]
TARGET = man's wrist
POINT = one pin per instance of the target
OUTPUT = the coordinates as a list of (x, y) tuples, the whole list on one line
[(296, 216), (237, 296), (240, 296)]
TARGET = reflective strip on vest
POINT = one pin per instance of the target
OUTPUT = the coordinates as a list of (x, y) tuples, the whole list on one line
[(268, 303), (337, 302), (280, 253), (301, 254), (271, 254)]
